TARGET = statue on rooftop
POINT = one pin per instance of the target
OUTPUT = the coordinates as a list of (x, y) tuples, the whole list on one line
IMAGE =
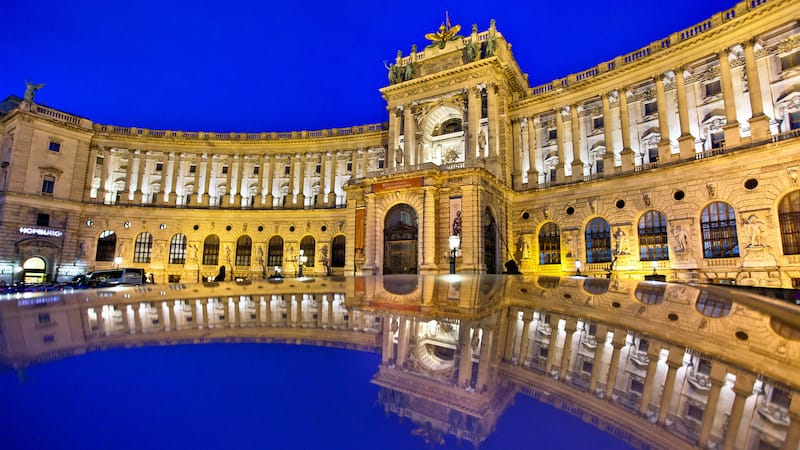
[(445, 33), (30, 90), (395, 73), (490, 46), (409, 71)]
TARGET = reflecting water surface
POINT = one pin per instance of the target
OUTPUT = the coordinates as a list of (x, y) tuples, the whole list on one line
[(489, 361)]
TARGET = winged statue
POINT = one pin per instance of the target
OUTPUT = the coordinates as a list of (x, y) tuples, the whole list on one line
[(445, 33)]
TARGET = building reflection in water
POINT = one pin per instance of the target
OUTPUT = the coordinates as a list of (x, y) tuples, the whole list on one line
[(656, 365)]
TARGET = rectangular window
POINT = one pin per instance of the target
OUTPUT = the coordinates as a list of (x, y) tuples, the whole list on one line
[(318, 168), (349, 166), (54, 146), (713, 88), (586, 366), (717, 140), (597, 123), (42, 220), (794, 120), (224, 169), (552, 134), (48, 184), (44, 318), (48, 339), (380, 164), (791, 60), (287, 169), (99, 161), (694, 412), (650, 108), (159, 167), (637, 386), (256, 170), (192, 168)]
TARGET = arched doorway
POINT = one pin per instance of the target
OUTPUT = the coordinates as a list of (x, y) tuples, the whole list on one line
[(400, 230), (489, 242), (34, 270)]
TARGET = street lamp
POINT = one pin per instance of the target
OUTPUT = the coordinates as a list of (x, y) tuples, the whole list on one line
[(578, 267), (302, 260), (655, 266), (117, 261), (455, 242)]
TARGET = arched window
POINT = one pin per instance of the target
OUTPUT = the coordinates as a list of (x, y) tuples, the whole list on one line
[(307, 246), (653, 237), (244, 246), (789, 218), (211, 250), (598, 241), (549, 244), (177, 249), (650, 294), (275, 251), (337, 251), (711, 305), (718, 223), (143, 248), (106, 246)]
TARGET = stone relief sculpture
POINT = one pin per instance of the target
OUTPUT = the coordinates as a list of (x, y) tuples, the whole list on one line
[(754, 227), (680, 239), (621, 242)]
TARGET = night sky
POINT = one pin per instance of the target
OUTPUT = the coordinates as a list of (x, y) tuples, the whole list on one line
[(239, 396), (282, 66)]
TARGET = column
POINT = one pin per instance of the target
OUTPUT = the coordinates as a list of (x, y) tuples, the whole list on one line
[(485, 361), (225, 200), (533, 173), (101, 191), (743, 388), (171, 310), (162, 197), (387, 344), (628, 156), (125, 324), (369, 236), (569, 327), (551, 350), (577, 163), (492, 111), (465, 355), (237, 313), (597, 362), (428, 241), (197, 188), (238, 176), (257, 304), (731, 128), (87, 325), (260, 182), (226, 312), (511, 334), (330, 312), (608, 137), (718, 372), (759, 122), (560, 177), (364, 161), (664, 145), (204, 318), (473, 123), (129, 176), (162, 323), (319, 201), (269, 171), (674, 362), (617, 342), (518, 152), (175, 169), (137, 318), (527, 318), (300, 322), (685, 140), (653, 352), (409, 134), (792, 438), (332, 174), (301, 187), (208, 181), (136, 182)]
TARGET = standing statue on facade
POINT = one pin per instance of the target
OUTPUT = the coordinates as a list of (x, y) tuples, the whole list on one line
[(395, 73), (490, 46), (30, 90), (472, 50), (409, 71)]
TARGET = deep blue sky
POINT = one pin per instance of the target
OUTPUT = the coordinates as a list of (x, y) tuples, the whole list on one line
[(287, 65), (238, 396)]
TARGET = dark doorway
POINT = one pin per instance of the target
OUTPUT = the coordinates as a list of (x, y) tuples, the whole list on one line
[(400, 230)]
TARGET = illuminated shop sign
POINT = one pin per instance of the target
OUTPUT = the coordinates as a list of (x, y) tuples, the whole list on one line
[(40, 231)]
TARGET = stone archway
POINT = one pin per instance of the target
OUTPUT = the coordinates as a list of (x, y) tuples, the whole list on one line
[(34, 270), (400, 233)]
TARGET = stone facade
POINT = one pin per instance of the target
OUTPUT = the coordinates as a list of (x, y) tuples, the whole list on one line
[(677, 159)]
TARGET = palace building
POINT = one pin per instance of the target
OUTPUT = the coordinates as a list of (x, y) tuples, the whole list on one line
[(678, 159)]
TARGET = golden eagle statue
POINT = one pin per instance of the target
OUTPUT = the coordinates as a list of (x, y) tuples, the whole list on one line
[(446, 33)]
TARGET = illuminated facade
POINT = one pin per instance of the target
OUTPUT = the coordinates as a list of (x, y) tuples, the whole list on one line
[(678, 158)]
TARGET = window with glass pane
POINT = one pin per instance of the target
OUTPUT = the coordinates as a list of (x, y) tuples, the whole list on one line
[(308, 245), (275, 252), (143, 248), (549, 244), (338, 251), (598, 241), (48, 184), (244, 246), (711, 305), (211, 250), (177, 249), (106, 246), (653, 237), (789, 218), (718, 224)]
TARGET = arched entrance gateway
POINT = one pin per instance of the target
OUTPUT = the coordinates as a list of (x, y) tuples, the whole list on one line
[(34, 270), (400, 230)]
